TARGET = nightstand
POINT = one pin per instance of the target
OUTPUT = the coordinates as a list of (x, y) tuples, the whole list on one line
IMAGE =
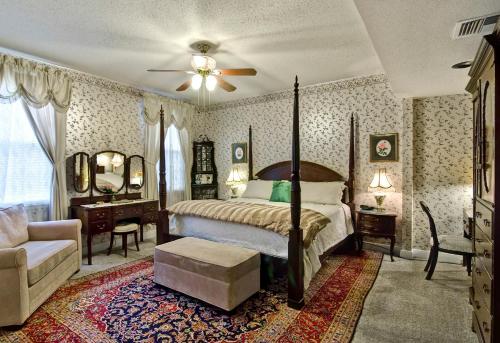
[(376, 224)]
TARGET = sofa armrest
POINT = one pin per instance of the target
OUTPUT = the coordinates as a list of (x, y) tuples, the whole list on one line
[(55, 230), (12, 258), (14, 295)]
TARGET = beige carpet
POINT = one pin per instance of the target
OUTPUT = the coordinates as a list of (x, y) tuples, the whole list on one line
[(100, 261), (404, 307), (401, 307)]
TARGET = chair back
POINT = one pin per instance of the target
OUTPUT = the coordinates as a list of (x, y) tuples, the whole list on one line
[(432, 225)]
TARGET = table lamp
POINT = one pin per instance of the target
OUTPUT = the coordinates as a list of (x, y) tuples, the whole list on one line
[(380, 185), (234, 180)]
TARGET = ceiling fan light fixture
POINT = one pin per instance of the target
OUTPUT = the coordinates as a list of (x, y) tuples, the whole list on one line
[(196, 81), (210, 83), (202, 62)]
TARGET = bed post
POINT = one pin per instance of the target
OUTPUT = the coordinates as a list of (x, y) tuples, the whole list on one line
[(250, 154), (162, 229), (295, 241), (350, 181)]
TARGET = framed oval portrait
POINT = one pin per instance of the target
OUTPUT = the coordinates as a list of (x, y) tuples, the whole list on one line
[(384, 147), (239, 152)]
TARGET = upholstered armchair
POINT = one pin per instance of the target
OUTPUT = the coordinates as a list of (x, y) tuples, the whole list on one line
[(31, 271)]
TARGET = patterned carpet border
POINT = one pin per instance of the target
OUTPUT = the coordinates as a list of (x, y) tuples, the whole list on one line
[(123, 304)]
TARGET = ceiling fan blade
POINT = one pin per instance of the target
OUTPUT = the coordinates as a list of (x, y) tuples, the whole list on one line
[(237, 72), (184, 86), (171, 71), (225, 85)]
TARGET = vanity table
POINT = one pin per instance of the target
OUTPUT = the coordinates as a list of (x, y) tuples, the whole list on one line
[(109, 172), (101, 218)]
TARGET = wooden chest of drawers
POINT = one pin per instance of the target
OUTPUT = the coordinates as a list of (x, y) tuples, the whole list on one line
[(101, 219)]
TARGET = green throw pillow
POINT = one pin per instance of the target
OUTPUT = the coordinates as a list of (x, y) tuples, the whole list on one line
[(281, 191)]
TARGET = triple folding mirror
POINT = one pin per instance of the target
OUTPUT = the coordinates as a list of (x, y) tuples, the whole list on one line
[(108, 171)]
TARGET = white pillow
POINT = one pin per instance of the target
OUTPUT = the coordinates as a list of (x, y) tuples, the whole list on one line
[(259, 189), (13, 226), (322, 192)]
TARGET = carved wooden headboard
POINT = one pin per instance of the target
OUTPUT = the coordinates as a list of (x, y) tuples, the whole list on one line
[(309, 171)]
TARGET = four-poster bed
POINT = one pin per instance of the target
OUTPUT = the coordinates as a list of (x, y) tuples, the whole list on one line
[(295, 253)]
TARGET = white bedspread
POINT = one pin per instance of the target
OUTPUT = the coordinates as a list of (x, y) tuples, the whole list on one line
[(268, 242)]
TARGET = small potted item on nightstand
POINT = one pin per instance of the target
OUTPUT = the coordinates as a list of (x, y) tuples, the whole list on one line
[(375, 223)]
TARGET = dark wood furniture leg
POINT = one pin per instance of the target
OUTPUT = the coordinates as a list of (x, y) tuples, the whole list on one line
[(434, 253), (393, 240), (136, 241), (468, 259), (124, 243), (429, 261), (142, 233), (162, 226), (295, 236), (359, 241), (111, 241), (89, 248)]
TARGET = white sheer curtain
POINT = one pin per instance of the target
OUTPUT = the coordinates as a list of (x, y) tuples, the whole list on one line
[(50, 130), (46, 96), (179, 115), (175, 167), (25, 171), (151, 158)]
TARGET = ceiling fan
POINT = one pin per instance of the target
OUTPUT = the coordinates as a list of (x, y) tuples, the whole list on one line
[(205, 72)]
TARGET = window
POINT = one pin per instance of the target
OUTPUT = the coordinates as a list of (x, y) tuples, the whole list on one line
[(25, 171), (174, 166)]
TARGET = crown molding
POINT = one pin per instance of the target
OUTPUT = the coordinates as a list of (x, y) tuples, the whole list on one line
[(319, 88), (82, 77)]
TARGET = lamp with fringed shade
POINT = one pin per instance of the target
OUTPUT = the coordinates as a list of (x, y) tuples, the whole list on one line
[(380, 185)]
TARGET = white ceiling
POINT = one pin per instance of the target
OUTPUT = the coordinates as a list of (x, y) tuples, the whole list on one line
[(319, 40), (413, 41)]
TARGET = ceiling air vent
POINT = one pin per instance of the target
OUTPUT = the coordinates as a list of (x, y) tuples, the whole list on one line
[(475, 26)]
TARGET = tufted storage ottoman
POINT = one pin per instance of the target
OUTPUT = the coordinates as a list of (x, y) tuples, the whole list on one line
[(219, 274)]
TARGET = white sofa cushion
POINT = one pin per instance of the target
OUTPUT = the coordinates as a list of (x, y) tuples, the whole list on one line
[(13, 226), (258, 189), (44, 256)]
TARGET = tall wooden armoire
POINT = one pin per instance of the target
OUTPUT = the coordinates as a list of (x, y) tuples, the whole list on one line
[(485, 291)]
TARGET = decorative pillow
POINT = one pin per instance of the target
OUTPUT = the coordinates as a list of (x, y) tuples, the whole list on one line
[(281, 191), (322, 192), (13, 226), (260, 189)]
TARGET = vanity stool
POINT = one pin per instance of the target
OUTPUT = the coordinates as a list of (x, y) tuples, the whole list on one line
[(124, 229)]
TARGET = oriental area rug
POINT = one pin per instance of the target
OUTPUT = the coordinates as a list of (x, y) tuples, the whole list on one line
[(123, 304)]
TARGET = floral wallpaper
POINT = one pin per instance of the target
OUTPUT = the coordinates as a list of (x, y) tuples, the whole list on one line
[(442, 164), (103, 115), (431, 139), (325, 111)]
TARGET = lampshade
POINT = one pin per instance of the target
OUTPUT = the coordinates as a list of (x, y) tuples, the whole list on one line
[(202, 62), (196, 81), (102, 160), (211, 82), (117, 160), (381, 181), (234, 177)]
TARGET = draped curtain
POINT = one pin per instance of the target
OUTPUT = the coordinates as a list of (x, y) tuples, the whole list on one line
[(180, 115), (46, 96)]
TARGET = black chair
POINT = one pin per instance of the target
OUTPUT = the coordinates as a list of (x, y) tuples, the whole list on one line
[(451, 244)]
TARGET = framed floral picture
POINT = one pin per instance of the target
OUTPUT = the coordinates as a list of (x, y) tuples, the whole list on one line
[(384, 147)]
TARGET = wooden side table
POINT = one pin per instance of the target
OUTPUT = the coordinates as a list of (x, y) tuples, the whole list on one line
[(376, 224)]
